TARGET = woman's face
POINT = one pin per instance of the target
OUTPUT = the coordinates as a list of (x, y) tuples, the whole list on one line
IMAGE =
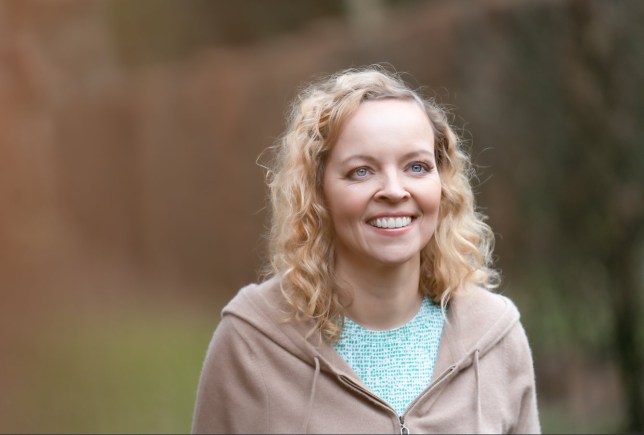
[(381, 184)]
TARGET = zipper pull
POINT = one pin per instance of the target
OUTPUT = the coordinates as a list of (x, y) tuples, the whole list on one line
[(403, 429)]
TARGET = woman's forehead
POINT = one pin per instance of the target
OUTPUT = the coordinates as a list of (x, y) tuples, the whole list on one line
[(387, 124)]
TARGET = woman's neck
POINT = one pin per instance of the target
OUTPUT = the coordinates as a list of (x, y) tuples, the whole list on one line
[(382, 297)]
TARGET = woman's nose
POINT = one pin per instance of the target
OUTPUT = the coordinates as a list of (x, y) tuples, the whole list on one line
[(392, 189)]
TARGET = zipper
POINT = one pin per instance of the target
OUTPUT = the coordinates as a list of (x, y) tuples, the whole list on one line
[(446, 374), (347, 380), (353, 385), (403, 429)]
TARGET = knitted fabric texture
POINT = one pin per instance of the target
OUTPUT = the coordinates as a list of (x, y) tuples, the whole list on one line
[(396, 364)]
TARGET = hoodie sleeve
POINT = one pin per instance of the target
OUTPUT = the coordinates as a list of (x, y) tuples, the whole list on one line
[(524, 380), (231, 396)]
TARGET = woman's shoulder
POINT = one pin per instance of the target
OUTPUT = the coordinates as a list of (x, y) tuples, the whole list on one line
[(481, 317), (475, 300), (257, 288), (261, 316), (263, 296)]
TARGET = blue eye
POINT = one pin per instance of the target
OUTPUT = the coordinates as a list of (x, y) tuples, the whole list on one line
[(417, 167), (361, 172)]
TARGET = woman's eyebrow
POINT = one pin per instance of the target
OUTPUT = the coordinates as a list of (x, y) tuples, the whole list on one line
[(361, 157), (419, 153), (371, 159)]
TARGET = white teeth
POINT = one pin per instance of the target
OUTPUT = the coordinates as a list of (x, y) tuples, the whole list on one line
[(391, 222)]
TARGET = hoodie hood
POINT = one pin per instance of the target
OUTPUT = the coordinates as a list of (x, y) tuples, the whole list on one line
[(477, 320), (263, 307)]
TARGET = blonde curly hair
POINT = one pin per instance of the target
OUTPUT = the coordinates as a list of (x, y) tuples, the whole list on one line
[(301, 248)]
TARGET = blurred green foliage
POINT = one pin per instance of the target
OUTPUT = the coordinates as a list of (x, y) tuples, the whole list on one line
[(114, 372)]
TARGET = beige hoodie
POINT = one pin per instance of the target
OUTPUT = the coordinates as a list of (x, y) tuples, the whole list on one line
[(262, 375)]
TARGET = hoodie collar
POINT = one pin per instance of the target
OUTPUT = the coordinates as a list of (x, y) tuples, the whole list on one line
[(477, 319)]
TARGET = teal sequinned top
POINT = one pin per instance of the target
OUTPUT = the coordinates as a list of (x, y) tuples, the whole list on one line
[(395, 364)]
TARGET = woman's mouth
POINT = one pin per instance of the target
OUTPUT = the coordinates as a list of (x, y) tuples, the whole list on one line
[(390, 222)]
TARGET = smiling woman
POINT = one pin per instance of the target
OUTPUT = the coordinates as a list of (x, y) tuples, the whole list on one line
[(378, 314)]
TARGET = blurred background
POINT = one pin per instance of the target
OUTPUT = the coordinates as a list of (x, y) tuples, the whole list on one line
[(132, 207)]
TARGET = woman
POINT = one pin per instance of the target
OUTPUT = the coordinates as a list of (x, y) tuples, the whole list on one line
[(378, 315)]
